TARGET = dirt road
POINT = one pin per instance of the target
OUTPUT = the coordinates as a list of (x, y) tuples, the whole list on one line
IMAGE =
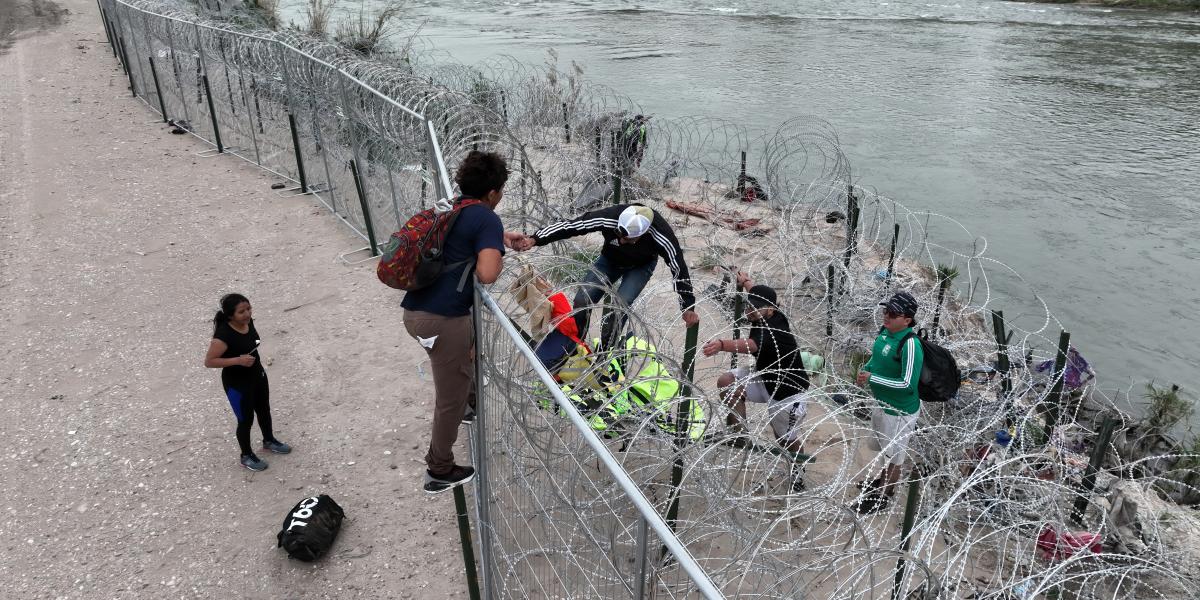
[(120, 466)]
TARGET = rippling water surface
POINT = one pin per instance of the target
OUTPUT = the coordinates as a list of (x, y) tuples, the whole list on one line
[(1067, 136)]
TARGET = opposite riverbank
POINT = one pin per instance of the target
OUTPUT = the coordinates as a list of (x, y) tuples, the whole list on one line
[(120, 463), (1149, 4)]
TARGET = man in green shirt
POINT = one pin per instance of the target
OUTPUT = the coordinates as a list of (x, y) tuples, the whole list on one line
[(893, 373)]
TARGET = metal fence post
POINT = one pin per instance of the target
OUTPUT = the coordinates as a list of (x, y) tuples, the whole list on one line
[(1056, 394), (566, 123), (1094, 461), (739, 301), (524, 174), (464, 536), (829, 294), (1002, 365), (643, 549), (682, 422), (741, 180), (299, 156), (892, 255), (852, 214), (212, 112), (162, 107), (257, 105), (362, 199), (598, 144), (617, 185), (910, 515), (689, 352)]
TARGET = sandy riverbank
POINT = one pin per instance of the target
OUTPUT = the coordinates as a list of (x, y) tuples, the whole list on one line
[(119, 460)]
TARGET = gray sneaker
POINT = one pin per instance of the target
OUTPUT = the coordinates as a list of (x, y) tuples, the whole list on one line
[(254, 463), (277, 446)]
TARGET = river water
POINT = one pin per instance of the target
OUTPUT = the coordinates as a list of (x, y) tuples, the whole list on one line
[(1067, 136)]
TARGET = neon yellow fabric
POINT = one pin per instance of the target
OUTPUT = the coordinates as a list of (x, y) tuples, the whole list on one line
[(651, 390)]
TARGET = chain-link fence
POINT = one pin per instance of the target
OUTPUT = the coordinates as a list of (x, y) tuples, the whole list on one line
[(559, 516), (368, 157)]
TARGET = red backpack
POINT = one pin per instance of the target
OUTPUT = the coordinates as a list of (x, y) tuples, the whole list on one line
[(413, 256)]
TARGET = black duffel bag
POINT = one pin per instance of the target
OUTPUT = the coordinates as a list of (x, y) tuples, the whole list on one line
[(310, 528)]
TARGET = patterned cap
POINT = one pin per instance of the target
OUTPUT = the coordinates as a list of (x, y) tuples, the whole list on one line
[(901, 303)]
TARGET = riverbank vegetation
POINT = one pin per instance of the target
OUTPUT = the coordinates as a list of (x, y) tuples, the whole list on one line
[(372, 28)]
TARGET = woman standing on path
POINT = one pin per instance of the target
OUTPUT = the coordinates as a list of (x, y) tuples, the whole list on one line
[(234, 350)]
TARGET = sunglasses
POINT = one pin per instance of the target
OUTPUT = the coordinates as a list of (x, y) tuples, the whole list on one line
[(891, 314)]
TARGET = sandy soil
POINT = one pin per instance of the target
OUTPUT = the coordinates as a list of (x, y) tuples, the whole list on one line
[(119, 462)]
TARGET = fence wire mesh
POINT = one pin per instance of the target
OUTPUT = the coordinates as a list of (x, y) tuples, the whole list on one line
[(552, 520)]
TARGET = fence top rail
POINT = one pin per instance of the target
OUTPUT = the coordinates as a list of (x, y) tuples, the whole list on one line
[(294, 49), (443, 178), (704, 585)]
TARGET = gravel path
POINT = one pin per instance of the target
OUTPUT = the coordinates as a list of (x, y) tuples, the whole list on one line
[(119, 462)]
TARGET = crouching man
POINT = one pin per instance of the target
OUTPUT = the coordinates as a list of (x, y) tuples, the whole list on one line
[(778, 378)]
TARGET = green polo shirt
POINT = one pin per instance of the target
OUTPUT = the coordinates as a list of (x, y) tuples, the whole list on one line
[(894, 382)]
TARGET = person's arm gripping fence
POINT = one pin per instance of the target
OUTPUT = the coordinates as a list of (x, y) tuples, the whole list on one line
[(589, 222), (672, 253), (910, 375)]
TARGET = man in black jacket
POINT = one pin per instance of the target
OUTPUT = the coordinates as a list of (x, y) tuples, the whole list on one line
[(635, 237)]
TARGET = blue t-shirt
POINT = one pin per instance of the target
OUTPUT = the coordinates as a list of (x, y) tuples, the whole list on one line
[(477, 228)]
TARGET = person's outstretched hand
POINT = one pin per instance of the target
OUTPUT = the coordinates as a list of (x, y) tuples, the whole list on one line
[(690, 317), (711, 347), (862, 377), (523, 244), (743, 281), (511, 238)]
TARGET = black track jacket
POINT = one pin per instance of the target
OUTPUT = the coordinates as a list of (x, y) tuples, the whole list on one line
[(660, 241)]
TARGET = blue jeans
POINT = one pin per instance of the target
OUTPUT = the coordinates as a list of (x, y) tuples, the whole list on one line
[(632, 281), (554, 350)]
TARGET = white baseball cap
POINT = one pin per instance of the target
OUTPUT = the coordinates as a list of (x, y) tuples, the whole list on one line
[(635, 221)]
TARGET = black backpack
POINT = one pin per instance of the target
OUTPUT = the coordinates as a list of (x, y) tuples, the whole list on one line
[(939, 373), (310, 527)]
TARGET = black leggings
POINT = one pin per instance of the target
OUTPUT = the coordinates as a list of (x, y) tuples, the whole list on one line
[(247, 399)]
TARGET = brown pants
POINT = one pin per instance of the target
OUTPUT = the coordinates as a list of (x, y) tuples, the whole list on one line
[(453, 368)]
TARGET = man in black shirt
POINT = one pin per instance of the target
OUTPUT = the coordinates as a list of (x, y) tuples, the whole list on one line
[(635, 237), (778, 378)]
